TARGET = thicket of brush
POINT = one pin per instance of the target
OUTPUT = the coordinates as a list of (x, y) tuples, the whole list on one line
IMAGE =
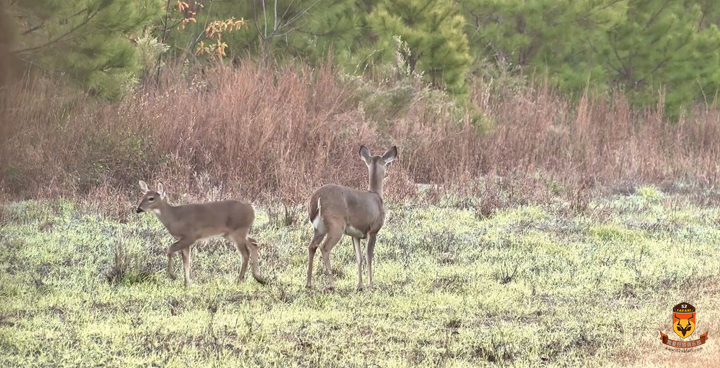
[(276, 134)]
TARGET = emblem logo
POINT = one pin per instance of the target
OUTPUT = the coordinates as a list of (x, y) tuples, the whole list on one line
[(684, 320)]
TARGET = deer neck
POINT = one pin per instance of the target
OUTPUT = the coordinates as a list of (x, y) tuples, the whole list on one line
[(376, 181), (164, 212)]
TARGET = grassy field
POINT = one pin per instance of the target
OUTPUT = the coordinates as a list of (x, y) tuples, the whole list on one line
[(537, 285)]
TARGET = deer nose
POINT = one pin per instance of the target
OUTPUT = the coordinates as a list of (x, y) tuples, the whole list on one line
[(138, 210)]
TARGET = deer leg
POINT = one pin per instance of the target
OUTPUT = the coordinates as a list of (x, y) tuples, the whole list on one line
[(370, 256), (312, 247), (186, 265), (180, 245), (358, 255), (244, 252), (253, 247), (333, 237), (170, 272)]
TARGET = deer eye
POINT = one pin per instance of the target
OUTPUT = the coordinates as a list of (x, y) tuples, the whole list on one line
[(150, 199)]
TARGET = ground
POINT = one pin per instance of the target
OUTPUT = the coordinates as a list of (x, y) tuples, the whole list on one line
[(527, 286)]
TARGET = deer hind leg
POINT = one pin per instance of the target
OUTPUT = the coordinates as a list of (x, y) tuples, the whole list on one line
[(312, 247), (170, 272), (334, 234), (252, 245), (244, 252), (358, 255), (370, 256)]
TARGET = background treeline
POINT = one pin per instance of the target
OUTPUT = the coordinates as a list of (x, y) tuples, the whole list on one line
[(644, 47), (268, 97)]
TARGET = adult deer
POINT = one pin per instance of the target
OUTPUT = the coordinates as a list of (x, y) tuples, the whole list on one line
[(189, 223), (336, 210)]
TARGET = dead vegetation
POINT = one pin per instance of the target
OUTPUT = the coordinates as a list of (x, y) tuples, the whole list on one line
[(275, 135)]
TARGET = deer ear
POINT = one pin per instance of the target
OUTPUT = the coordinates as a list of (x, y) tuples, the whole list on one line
[(390, 155), (365, 154), (143, 187), (161, 190)]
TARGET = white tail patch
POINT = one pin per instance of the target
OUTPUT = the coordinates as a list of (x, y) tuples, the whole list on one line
[(317, 222)]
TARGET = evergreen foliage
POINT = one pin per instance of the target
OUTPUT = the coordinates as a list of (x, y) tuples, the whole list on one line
[(433, 30), (640, 46), (643, 47), (278, 29), (85, 39), (661, 44)]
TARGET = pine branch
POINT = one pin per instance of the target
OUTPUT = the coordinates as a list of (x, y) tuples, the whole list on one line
[(50, 43)]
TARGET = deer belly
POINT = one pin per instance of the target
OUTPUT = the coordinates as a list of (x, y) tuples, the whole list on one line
[(355, 233), (210, 237)]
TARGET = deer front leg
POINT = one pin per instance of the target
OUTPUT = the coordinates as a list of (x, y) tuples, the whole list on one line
[(181, 244)]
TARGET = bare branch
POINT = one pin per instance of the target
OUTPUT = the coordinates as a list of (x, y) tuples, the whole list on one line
[(264, 18), (286, 32), (288, 9), (298, 16), (33, 29)]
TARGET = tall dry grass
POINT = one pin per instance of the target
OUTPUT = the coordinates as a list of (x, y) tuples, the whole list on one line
[(278, 134)]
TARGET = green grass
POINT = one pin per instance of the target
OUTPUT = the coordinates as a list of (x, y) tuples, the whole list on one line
[(529, 286)]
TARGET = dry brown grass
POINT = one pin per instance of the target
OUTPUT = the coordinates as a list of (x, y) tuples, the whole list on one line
[(277, 135)]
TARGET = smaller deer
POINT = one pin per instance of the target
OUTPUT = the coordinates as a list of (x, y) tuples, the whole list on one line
[(335, 210), (189, 223)]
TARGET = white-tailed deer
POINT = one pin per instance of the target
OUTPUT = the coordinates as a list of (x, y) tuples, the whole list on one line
[(189, 223), (336, 210)]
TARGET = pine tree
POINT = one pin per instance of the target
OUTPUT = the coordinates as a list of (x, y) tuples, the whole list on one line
[(85, 39), (662, 45), (279, 29), (540, 35), (433, 31), (640, 46)]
